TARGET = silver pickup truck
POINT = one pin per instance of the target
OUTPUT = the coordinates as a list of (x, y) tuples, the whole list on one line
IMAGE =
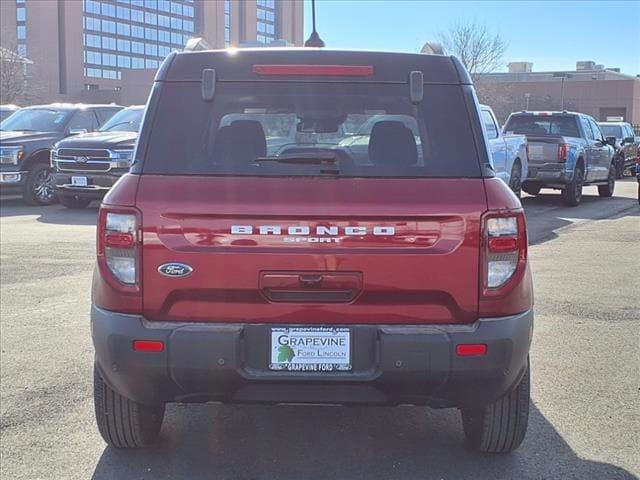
[(566, 151), (508, 152)]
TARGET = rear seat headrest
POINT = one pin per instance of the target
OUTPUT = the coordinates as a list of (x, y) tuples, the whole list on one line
[(392, 144)]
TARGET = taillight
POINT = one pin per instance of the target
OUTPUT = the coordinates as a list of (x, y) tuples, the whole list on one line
[(563, 152), (118, 244), (505, 250)]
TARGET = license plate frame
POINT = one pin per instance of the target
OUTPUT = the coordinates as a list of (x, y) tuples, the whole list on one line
[(78, 181), (310, 349)]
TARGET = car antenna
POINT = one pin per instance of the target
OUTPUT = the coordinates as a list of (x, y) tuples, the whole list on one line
[(314, 39)]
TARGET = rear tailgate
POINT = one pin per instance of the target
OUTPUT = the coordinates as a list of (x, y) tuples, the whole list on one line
[(543, 150), (387, 251)]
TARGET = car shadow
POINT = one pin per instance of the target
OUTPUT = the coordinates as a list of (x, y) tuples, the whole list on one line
[(306, 442), (546, 214), (52, 214)]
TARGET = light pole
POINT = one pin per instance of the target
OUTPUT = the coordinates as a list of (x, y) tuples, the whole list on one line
[(314, 39), (562, 76), (526, 97)]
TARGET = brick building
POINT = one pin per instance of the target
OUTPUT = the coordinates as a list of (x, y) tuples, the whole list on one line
[(108, 50), (605, 94)]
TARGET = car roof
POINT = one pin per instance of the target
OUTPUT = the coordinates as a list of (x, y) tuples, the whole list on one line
[(238, 65), (74, 106), (618, 124), (543, 113)]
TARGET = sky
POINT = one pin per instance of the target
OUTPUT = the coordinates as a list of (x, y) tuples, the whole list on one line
[(551, 34)]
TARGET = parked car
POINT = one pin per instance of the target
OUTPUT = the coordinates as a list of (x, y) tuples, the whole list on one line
[(26, 139), (625, 142), (87, 166), (228, 274), (7, 110), (508, 152), (566, 151)]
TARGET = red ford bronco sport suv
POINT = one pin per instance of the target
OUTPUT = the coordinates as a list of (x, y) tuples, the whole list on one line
[(267, 248)]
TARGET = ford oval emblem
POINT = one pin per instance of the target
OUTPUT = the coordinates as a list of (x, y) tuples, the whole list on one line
[(175, 269)]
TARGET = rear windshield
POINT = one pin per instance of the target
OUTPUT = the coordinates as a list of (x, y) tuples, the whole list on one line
[(535, 125), (611, 130), (289, 129)]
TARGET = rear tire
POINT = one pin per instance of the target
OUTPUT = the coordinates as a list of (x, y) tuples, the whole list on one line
[(572, 192), (515, 179), (74, 202), (501, 426), (38, 187), (531, 188), (606, 191), (124, 423)]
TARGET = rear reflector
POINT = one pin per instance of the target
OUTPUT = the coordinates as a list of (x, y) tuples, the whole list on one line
[(503, 244), (315, 70), (148, 346), (119, 240), (471, 350)]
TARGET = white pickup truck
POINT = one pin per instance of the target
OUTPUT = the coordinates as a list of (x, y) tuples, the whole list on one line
[(508, 152)]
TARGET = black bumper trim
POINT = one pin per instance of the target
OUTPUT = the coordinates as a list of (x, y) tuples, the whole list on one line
[(391, 364)]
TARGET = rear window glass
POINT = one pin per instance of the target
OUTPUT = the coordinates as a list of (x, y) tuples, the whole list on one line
[(543, 125), (611, 130), (289, 129)]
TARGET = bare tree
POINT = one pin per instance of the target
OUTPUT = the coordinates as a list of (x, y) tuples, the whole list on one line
[(13, 75), (477, 48)]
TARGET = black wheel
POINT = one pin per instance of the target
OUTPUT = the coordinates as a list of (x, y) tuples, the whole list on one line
[(124, 423), (71, 201), (572, 192), (607, 190), (501, 426), (515, 179), (39, 186), (531, 188)]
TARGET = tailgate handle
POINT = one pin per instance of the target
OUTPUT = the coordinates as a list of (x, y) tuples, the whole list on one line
[(323, 287), (310, 281)]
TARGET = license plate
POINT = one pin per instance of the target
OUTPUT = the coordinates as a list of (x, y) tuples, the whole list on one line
[(79, 181), (312, 349)]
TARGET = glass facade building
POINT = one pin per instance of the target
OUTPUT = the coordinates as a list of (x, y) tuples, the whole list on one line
[(133, 34), (21, 27), (267, 21)]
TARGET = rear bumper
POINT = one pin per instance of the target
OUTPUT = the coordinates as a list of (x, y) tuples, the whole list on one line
[(391, 364), (98, 184)]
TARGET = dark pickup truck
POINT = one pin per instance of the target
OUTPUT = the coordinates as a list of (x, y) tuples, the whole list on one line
[(236, 266), (626, 143), (87, 166), (26, 139)]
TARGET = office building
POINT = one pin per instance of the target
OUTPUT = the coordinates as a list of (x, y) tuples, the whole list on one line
[(108, 50), (604, 93)]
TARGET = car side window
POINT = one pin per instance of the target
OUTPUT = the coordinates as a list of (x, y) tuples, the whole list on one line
[(597, 133), (629, 131), (587, 128), (83, 120), (489, 124)]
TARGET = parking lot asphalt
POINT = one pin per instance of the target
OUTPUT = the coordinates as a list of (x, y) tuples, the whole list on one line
[(584, 424)]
